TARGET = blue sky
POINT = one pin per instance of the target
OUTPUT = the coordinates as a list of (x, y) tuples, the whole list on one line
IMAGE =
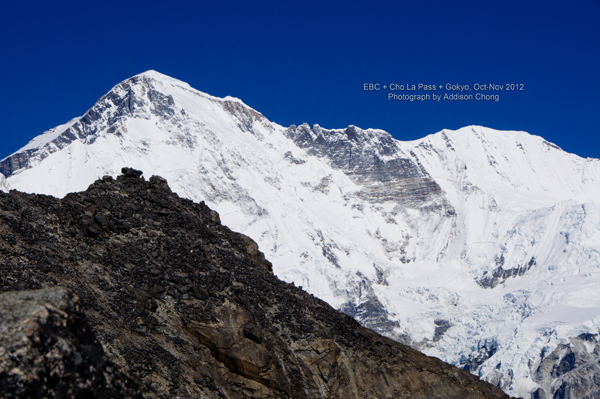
[(307, 61)]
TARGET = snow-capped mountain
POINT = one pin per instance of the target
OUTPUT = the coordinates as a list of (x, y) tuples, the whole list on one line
[(477, 246)]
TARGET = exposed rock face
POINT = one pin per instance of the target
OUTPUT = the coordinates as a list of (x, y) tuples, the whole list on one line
[(373, 160), (47, 350), (571, 370), (187, 308), (500, 275)]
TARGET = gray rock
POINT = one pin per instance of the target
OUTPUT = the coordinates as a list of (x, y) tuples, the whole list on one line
[(571, 371), (47, 349), (373, 160)]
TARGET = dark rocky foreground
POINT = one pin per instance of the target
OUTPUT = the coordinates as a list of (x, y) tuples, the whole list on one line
[(47, 349), (160, 300)]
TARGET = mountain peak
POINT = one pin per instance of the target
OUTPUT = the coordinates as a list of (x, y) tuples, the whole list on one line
[(162, 78), (147, 96), (154, 74), (157, 76)]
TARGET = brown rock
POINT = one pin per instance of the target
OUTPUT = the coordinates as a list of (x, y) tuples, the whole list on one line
[(205, 317), (48, 350)]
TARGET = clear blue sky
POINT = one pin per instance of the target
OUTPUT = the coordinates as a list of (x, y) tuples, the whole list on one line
[(307, 61)]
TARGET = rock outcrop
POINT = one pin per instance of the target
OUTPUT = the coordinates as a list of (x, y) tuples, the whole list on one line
[(374, 161), (183, 307), (47, 350), (571, 370)]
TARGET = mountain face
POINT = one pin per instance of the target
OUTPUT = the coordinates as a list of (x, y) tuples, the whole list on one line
[(477, 246), (158, 300)]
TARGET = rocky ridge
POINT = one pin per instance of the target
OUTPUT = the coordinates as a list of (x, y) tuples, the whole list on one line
[(184, 307), (374, 161)]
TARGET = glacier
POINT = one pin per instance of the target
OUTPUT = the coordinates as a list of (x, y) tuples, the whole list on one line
[(477, 246)]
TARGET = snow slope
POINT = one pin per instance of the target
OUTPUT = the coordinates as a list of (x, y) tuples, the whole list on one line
[(477, 246), (3, 184)]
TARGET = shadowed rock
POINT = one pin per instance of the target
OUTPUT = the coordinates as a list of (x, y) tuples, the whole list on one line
[(47, 349), (571, 370)]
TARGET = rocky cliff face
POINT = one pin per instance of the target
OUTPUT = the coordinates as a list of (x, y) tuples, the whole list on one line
[(373, 160), (184, 307), (571, 370)]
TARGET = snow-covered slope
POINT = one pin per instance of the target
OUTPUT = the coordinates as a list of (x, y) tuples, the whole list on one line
[(477, 246), (3, 184)]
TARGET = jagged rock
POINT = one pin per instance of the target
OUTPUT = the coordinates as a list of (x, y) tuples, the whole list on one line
[(47, 350), (129, 172), (486, 349), (187, 308), (373, 160), (499, 275), (571, 371)]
